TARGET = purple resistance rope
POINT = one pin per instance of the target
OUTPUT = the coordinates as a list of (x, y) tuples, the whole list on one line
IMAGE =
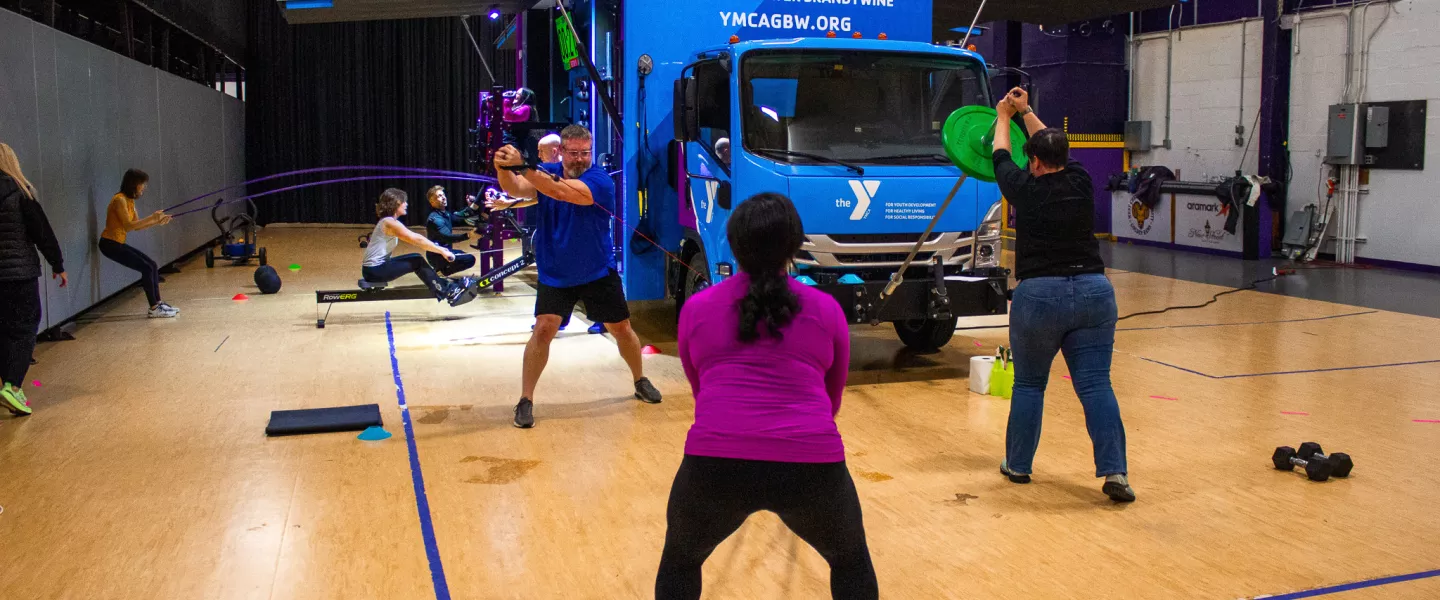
[(332, 169), (465, 177)]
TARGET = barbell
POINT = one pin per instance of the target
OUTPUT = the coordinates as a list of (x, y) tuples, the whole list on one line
[(968, 137)]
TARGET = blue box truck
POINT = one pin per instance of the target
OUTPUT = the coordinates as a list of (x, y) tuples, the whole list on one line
[(837, 104)]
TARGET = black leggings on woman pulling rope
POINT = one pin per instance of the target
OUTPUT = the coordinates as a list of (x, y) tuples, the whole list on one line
[(133, 258), (19, 318), (396, 267), (712, 497)]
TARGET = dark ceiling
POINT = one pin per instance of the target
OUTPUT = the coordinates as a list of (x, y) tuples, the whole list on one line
[(376, 10), (948, 13), (958, 13)]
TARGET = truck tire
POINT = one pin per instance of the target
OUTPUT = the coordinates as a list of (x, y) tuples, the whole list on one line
[(695, 278), (926, 335)]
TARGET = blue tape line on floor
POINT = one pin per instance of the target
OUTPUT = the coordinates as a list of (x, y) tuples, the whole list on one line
[(1335, 589), (417, 477)]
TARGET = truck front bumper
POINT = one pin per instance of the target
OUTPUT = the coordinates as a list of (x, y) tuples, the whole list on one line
[(937, 298)]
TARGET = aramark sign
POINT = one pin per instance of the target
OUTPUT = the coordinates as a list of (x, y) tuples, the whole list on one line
[(767, 19)]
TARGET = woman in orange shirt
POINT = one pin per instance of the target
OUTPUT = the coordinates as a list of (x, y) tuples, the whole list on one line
[(120, 220)]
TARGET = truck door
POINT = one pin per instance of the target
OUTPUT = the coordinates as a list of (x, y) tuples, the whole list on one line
[(708, 163)]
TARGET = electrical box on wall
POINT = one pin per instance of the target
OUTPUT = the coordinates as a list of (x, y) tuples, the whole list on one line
[(1137, 136), (1395, 135), (1343, 144), (1377, 126)]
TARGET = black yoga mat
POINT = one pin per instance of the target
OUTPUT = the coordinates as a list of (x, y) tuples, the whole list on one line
[(323, 420)]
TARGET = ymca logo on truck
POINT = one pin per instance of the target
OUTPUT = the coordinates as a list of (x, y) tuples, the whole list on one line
[(864, 193)]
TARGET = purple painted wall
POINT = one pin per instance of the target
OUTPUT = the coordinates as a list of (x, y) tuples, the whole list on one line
[(1101, 163), (1080, 75)]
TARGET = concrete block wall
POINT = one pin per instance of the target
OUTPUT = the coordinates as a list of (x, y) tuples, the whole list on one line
[(1399, 215), (1210, 96)]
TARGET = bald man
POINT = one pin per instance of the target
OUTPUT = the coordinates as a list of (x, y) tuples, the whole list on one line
[(550, 148)]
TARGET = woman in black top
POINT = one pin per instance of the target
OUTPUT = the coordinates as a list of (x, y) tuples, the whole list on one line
[(23, 229), (1064, 302)]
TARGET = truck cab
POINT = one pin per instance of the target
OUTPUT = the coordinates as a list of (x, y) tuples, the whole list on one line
[(850, 130)]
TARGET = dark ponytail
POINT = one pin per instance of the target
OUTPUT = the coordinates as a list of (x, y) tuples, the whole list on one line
[(765, 233)]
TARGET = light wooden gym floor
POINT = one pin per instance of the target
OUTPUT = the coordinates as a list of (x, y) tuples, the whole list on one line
[(145, 472)]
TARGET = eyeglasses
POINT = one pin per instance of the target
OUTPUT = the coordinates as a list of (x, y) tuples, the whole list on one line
[(577, 154)]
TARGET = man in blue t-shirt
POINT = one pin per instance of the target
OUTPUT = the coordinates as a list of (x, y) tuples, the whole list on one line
[(574, 201)]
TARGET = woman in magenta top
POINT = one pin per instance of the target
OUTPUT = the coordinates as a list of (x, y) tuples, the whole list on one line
[(767, 359)]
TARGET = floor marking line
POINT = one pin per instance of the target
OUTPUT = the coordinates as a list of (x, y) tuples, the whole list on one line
[(417, 477), (1158, 327), (1345, 587), (1331, 369)]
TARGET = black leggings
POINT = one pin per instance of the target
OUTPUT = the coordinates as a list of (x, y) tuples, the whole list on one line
[(130, 257), (19, 318), (399, 266), (712, 497), (447, 268)]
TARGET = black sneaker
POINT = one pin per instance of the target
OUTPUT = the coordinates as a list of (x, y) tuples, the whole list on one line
[(459, 292), (525, 414), (1117, 487), (1014, 477), (646, 392)]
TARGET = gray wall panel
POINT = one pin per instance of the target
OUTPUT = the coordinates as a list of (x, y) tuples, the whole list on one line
[(70, 193), (49, 180), (90, 115), (17, 104), (17, 94), (192, 148)]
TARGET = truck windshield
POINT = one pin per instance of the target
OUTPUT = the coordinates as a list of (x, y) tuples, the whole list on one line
[(858, 107)]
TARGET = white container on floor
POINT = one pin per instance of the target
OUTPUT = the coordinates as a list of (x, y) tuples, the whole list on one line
[(980, 367)]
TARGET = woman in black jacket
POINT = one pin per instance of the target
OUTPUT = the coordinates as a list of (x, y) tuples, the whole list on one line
[(23, 228)]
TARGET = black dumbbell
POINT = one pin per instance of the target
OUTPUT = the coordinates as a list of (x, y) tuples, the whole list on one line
[(1285, 460), (1340, 463)]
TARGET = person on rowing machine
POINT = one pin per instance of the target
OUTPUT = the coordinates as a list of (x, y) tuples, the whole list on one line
[(439, 227), (380, 267)]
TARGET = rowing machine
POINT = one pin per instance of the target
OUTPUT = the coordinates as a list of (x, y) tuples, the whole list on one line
[(381, 292)]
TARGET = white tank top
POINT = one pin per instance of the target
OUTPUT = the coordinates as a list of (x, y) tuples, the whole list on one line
[(380, 246)]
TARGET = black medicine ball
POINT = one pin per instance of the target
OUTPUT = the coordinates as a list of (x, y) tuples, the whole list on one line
[(267, 279)]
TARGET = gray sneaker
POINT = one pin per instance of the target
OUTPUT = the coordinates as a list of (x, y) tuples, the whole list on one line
[(1117, 487), (162, 311), (525, 414), (646, 392)]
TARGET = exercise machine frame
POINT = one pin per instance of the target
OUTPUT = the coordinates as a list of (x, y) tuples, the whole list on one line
[(381, 292), (238, 253)]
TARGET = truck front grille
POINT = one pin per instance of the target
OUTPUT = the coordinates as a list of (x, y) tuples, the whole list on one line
[(896, 257)]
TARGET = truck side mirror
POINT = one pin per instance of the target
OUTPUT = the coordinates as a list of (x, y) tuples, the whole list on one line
[(687, 126)]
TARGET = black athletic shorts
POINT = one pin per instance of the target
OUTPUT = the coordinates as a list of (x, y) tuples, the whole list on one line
[(604, 300)]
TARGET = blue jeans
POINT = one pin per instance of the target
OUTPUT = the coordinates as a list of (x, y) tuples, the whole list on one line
[(1075, 315)]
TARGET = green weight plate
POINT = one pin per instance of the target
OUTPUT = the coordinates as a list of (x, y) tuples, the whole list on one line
[(967, 139)]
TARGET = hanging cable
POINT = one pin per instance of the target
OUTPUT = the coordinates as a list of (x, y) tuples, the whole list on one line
[(328, 170), (474, 178), (465, 21)]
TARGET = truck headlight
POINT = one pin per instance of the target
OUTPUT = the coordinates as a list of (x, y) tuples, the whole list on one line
[(987, 239)]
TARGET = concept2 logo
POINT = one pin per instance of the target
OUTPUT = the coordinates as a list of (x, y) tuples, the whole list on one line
[(864, 193)]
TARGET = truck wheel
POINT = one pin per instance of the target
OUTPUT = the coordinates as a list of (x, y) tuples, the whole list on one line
[(926, 335), (695, 279), (210, 258)]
